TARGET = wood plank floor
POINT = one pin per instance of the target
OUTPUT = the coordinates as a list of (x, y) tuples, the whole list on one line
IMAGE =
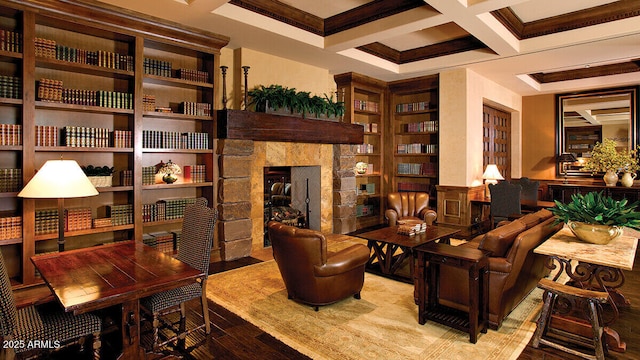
[(233, 338)]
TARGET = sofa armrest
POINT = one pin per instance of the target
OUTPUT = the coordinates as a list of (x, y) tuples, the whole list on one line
[(343, 261), (499, 265), (429, 216), (391, 216)]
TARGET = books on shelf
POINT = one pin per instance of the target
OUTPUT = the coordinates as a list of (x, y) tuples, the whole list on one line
[(51, 49), (10, 41), (365, 105), (168, 209), (430, 149), (77, 219), (194, 173), (46, 135), (46, 221), (10, 134), (156, 139), (422, 126), (10, 180), (53, 91), (10, 227), (80, 136), (363, 149), (195, 108), (120, 214), (157, 67), (415, 187), (126, 177), (10, 87), (414, 106), (417, 169), (193, 75)]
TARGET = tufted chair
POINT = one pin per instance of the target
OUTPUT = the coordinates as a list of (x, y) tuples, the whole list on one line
[(312, 276), (409, 206), (195, 250), (46, 322)]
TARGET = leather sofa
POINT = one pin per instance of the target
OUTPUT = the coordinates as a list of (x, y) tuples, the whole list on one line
[(514, 269), (408, 206), (311, 274)]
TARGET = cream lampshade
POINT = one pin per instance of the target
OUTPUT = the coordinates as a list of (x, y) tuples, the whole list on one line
[(59, 179), (491, 175)]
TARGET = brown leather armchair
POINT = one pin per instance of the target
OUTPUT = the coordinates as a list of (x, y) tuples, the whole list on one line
[(409, 206), (312, 276)]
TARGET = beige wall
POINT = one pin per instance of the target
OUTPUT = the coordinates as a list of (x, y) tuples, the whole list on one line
[(539, 137), (266, 70), (462, 95)]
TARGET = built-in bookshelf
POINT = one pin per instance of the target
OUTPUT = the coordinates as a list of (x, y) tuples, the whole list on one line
[(414, 126), (76, 84), (365, 103)]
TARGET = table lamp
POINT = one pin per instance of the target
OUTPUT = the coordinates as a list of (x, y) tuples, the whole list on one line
[(563, 159), (491, 176), (59, 179)]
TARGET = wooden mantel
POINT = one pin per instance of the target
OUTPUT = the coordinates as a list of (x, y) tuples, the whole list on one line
[(249, 125)]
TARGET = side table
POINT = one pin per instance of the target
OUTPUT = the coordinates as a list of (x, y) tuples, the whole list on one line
[(433, 255)]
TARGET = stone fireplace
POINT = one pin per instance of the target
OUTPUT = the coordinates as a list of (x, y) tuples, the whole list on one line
[(243, 155)]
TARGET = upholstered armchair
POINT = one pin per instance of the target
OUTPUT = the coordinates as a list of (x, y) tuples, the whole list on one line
[(310, 274), (409, 206)]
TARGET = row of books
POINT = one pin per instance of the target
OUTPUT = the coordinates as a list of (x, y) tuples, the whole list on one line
[(46, 221), (195, 108), (52, 90), (157, 67), (10, 227), (120, 214), (584, 137), (193, 75), (365, 105), (80, 136), (126, 177), (416, 169), (363, 149), (10, 41), (165, 209), (10, 180), (194, 173), (414, 106), (156, 139), (148, 175), (46, 135), (148, 102), (51, 49), (10, 135), (416, 187), (77, 219), (369, 127), (417, 148), (10, 87), (423, 126), (122, 139)]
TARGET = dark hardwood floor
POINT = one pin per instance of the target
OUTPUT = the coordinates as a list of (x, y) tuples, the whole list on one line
[(233, 338)]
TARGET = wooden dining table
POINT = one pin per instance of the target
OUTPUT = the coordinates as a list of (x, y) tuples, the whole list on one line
[(116, 274)]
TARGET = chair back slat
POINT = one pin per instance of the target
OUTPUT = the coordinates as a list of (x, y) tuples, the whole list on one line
[(8, 311), (197, 236)]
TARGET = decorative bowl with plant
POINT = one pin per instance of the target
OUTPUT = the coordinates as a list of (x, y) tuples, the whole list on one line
[(596, 218), (169, 170), (100, 176)]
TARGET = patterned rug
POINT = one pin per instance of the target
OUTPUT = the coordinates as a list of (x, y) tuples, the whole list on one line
[(382, 325)]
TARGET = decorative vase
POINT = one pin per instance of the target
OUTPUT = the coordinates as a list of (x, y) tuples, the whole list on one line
[(361, 167), (594, 233), (627, 179), (610, 178), (169, 178)]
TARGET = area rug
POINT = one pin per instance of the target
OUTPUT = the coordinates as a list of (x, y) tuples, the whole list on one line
[(383, 324)]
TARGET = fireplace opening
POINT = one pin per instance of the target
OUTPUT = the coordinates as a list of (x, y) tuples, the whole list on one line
[(292, 196)]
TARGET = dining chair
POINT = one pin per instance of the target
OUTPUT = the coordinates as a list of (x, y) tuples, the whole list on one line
[(195, 250), (21, 327), (529, 190), (505, 201)]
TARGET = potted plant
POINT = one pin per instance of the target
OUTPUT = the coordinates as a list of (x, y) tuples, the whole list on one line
[(100, 176), (596, 218), (169, 170), (606, 158), (287, 101)]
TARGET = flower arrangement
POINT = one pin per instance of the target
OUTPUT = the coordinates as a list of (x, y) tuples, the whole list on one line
[(605, 157), (169, 171)]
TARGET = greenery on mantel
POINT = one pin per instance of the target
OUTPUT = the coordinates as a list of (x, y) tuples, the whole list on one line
[(278, 97), (595, 208)]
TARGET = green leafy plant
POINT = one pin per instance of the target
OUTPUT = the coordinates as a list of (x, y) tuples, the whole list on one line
[(278, 96), (606, 157), (91, 170), (595, 208)]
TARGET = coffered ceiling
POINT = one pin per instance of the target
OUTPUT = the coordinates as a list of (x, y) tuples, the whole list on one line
[(528, 46)]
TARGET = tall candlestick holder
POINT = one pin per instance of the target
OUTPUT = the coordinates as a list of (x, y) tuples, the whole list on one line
[(223, 69), (246, 73)]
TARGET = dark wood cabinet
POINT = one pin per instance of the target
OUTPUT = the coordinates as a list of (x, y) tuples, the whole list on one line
[(563, 192)]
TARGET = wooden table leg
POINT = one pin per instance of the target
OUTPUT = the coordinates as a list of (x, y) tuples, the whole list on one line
[(130, 323)]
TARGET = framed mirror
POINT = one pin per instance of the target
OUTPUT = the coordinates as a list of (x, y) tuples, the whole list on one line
[(586, 118)]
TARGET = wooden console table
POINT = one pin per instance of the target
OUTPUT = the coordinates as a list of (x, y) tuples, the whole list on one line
[(433, 255)]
